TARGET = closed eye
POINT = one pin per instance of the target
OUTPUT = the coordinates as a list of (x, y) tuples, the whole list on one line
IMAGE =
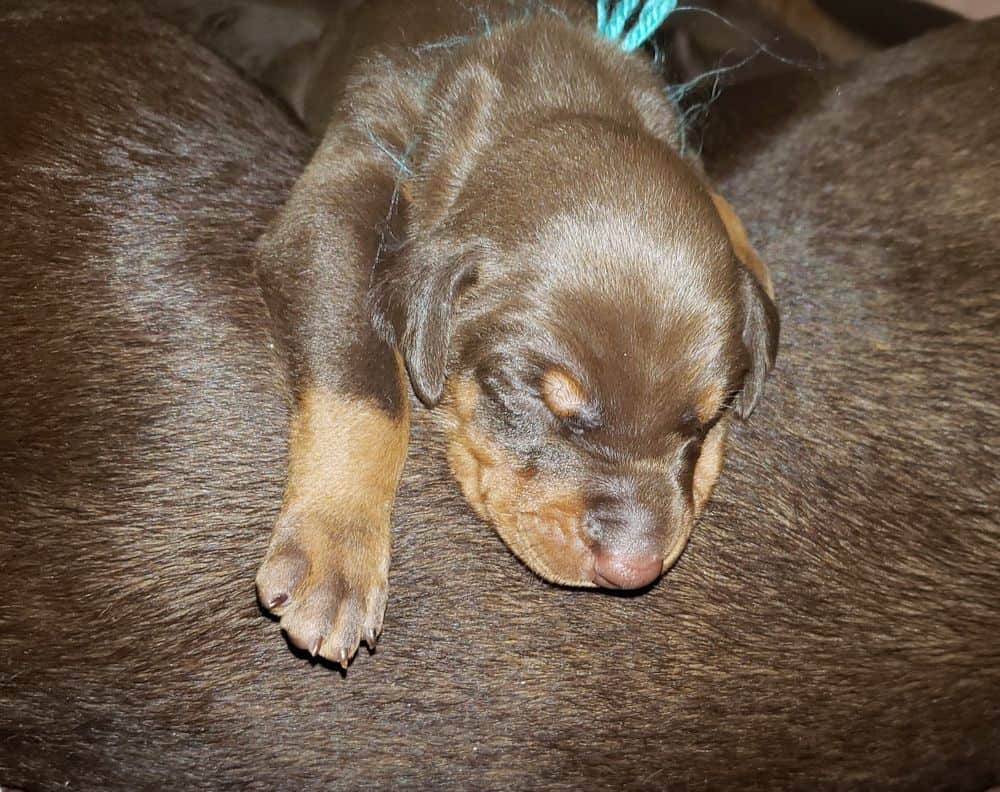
[(690, 425)]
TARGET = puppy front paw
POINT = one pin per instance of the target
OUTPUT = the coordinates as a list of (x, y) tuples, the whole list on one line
[(327, 581)]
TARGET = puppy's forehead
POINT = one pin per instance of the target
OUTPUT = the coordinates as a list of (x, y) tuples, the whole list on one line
[(587, 173), (649, 319), (624, 275), (642, 355), (628, 247)]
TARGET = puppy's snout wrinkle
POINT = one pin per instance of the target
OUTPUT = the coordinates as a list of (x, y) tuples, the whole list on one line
[(624, 525)]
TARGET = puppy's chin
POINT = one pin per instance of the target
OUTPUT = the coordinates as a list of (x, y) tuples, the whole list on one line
[(539, 518)]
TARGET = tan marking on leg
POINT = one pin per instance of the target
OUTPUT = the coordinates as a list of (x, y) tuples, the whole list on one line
[(741, 245), (539, 518), (327, 566), (345, 455)]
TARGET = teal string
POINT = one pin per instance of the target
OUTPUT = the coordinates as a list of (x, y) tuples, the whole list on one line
[(620, 13), (602, 15), (611, 21)]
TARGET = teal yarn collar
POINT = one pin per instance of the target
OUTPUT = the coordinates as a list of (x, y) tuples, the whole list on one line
[(612, 19)]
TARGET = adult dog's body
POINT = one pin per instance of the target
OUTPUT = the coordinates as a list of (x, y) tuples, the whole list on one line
[(832, 627)]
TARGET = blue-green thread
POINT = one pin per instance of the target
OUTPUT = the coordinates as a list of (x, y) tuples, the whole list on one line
[(611, 20)]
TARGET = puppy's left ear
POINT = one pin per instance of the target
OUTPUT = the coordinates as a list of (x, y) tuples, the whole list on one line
[(741, 245), (413, 309), (761, 324), (760, 337)]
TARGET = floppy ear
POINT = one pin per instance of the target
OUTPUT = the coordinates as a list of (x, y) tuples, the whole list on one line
[(417, 288), (741, 245), (414, 305), (761, 324), (760, 337)]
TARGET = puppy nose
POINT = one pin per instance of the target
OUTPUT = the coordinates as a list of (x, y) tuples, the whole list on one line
[(615, 571)]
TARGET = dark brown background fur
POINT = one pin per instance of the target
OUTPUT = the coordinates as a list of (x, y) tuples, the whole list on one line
[(832, 624)]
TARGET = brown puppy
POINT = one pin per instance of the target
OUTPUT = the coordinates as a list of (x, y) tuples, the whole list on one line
[(499, 210)]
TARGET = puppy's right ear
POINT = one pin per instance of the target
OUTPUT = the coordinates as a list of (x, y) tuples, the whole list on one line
[(414, 306), (416, 290), (761, 324)]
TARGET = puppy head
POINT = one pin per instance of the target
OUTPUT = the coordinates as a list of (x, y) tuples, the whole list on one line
[(587, 331)]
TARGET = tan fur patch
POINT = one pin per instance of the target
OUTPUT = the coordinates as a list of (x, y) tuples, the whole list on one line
[(709, 465), (741, 245), (808, 20), (538, 518), (709, 403), (345, 459), (563, 395)]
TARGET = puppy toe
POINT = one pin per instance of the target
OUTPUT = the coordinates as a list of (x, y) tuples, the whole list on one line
[(309, 621), (281, 574), (328, 588), (359, 619), (342, 642), (375, 612)]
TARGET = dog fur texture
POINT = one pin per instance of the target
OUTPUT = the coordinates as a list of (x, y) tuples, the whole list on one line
[(831, 628)]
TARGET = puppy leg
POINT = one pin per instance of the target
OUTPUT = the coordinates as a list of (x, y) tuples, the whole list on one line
[(326, 569)]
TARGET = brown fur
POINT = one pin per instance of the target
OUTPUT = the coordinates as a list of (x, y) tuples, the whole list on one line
[(741, 245), (833, 628)]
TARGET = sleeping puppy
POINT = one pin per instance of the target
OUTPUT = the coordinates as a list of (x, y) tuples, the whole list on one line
[(498, 216)]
